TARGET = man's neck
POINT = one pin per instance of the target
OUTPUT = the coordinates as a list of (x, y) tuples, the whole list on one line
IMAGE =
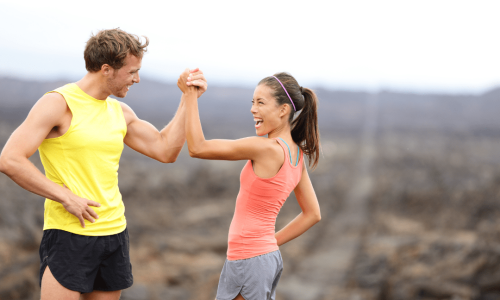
[(93, 85)]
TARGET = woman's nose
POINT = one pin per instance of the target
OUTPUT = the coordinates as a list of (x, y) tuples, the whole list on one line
[(253, 109)]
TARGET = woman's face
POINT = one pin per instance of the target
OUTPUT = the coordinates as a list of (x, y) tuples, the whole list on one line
[(266, 113)]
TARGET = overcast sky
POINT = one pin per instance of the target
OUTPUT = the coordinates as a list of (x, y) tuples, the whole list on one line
[(443, 46)]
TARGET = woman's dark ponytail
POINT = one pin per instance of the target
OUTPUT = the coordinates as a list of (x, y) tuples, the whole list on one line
[(305, 131)]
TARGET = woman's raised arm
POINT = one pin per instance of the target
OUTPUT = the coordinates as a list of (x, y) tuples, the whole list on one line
[(242, 149)]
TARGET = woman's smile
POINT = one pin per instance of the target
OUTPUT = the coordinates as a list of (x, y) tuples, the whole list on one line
[(258, 122)]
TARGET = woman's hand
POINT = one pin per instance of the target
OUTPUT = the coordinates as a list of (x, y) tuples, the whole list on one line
[(191, 80), (196, 78)]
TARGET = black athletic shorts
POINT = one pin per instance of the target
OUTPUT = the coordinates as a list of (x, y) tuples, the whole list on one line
[(86, 263)]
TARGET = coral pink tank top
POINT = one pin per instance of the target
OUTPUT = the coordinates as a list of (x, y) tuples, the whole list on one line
[(258, 203)]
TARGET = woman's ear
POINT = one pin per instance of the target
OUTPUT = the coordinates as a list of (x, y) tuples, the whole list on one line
[(283, 110)]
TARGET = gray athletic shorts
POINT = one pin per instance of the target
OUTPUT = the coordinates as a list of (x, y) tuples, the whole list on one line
[(255, 278)]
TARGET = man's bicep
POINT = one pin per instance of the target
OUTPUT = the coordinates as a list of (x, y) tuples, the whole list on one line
[(142, 136), (45, 115)]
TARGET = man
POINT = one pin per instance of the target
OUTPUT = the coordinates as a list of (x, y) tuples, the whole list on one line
[(80, 132)]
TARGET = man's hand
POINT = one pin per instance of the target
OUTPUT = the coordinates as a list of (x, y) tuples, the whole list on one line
[(182, 81), (197, 78), (22, 144), (80, 208)]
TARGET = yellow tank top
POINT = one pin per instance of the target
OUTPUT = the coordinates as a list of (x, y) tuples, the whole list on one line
[(85, 159)]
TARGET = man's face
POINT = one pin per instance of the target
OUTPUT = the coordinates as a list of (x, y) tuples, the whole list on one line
[(122, 79)]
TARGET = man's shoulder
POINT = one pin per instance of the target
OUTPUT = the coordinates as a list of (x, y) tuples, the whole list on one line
[(128, 114), (67, 88), (58, 96), (48, 110), (52, 99), (126, 108)]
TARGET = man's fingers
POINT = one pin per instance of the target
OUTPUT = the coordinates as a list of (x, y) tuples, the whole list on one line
[(195, 70), (82, 222), (92, 213), (184, 74), (87, 216), (93, 203)]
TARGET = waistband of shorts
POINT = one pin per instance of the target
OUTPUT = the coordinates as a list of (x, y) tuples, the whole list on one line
[(268, 253)]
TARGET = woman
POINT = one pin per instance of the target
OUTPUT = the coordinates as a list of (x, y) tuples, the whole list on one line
[(275, 167)]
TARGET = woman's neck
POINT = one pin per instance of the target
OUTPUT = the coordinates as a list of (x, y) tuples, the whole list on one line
[(281, 132)]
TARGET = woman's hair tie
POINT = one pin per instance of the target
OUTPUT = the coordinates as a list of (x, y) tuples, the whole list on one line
[(294, 109)]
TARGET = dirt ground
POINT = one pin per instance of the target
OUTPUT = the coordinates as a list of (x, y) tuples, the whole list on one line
[(408, 193)]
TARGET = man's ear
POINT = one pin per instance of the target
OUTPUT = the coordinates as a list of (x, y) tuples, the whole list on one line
[(106, 70)]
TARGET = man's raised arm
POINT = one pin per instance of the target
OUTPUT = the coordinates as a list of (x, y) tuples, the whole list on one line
[(164, 145)]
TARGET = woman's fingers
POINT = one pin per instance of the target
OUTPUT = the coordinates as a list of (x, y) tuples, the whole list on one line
[(198, 79), (197, 76), (199, 83)]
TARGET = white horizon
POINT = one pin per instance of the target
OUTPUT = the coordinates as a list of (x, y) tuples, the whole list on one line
[(422, 47)]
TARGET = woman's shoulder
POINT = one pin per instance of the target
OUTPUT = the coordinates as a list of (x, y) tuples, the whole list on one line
[(265, 145), (265, 142)]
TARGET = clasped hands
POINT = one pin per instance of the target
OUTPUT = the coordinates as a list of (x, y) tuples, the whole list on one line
[(192, 80)]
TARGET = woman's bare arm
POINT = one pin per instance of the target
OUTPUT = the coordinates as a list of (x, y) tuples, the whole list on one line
[(310, 214), (251, 148)]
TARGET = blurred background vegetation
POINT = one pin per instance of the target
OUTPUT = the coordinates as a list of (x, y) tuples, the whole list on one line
[(408, 186)]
